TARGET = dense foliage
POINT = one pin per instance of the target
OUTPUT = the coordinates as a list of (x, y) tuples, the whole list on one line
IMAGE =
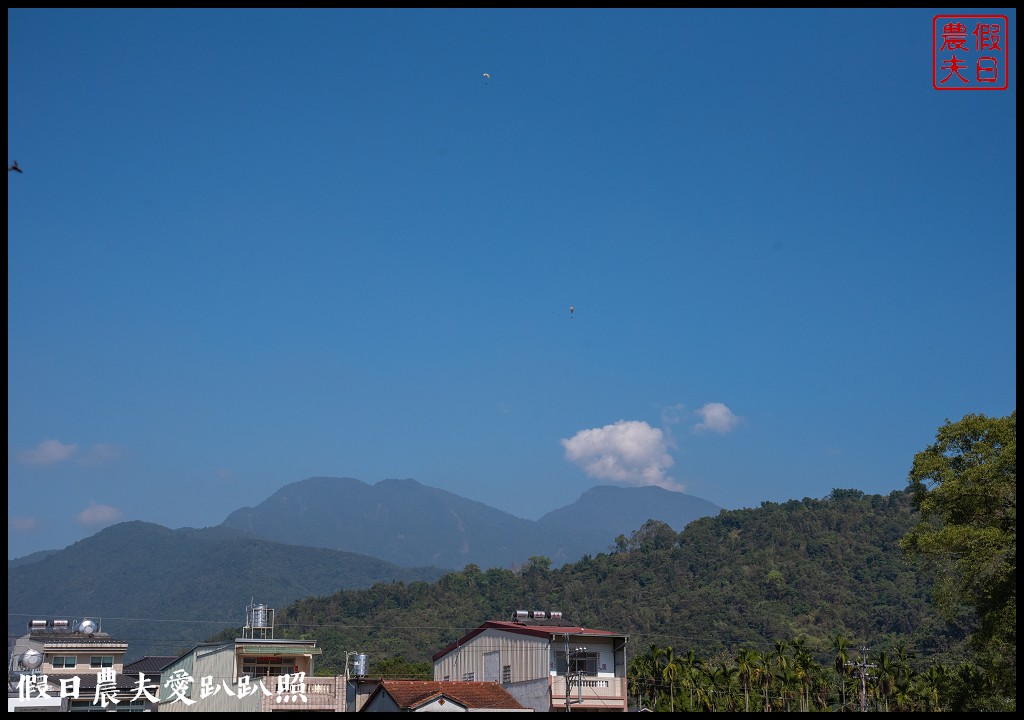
[(810, 569), (789, 678), (965, 486)]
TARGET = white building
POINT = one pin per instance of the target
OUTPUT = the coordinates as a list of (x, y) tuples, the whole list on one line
[(71, 665)]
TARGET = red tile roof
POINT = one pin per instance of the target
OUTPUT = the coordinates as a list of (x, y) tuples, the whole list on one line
[(476, 695)]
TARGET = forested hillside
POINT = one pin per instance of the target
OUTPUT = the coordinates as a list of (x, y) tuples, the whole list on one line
[(164, 590), (810, 568)]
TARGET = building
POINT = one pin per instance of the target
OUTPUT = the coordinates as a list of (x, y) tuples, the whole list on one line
[(433, 696), (253, 673), (66, 665), (545, 662)]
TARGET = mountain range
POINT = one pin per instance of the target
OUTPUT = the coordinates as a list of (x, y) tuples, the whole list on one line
[(410, 524), (166, 590)]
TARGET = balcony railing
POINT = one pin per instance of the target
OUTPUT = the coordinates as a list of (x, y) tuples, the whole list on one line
[(321, 693), (589, 692)]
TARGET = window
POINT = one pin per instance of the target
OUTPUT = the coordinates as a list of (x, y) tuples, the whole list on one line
[(64, 661), (582, 662), (469, 677), (101, 661), (268, 666), (91, 705), (506, 674)]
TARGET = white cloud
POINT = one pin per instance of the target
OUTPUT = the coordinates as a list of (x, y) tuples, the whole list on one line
[(97, 515), (24, 524), (630, 452), (717, 418), (48, 452)]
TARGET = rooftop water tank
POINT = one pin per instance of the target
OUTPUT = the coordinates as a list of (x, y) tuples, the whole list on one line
[(31, 659)]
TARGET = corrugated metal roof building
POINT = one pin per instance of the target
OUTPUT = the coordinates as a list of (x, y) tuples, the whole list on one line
[(544, 661)]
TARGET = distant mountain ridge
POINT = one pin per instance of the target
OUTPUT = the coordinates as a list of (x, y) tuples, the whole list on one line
[(170, 589), (410, 524)]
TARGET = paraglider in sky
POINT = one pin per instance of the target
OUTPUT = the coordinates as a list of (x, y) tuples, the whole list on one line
[(487, 75), (571, 311)]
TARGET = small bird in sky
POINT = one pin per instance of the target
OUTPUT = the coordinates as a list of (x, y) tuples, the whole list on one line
[(14, 167)]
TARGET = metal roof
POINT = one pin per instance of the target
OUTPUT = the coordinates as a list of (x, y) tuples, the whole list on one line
[(542, 629)]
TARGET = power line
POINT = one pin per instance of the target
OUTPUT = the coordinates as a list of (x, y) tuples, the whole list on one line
[(862, 667)]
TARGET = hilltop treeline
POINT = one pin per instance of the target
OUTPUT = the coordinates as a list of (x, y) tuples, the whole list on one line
[(744, 578)]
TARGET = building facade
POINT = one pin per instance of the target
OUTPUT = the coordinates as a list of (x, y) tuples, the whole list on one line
[(545, 662), (253, 673), (72, 665)]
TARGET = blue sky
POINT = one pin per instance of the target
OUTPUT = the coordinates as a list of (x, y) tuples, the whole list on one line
[(251, 247)]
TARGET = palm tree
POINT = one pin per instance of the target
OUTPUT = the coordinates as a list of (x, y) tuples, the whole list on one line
[(725, 677), (788, 679), (930, 684), (885, 667), (707, 692), (840, 664), (903, 694), (669, 673), (691, 673), (642, 677), (779, 657), (765, 678), (824, 691), (804, 667), (745, 665)]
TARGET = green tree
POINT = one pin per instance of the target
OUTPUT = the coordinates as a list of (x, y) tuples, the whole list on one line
[(399, 667), (642, 678), (745, 663), (670, 668), (841, 664), (965, 489)]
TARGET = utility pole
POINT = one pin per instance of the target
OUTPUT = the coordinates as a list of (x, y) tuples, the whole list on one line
[(348, 679), (573, 671), (862, 669)]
